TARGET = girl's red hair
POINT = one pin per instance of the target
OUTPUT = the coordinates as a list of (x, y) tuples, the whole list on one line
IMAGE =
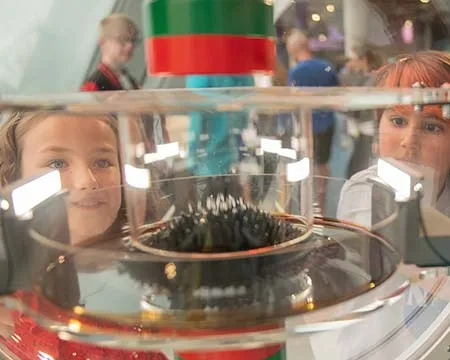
[(429, 67)]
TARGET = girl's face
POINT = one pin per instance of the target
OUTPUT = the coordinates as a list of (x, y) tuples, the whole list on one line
[(420, 138), (84, 150)]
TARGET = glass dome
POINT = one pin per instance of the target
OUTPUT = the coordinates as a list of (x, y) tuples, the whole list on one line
[(188, 254)]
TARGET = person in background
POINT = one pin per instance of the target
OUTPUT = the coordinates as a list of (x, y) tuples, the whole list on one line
[(310, 71), (118, 38), (363, 60), (360, 124)]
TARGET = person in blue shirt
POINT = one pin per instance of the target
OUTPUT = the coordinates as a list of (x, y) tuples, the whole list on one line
[(215, 142), (310, 71)]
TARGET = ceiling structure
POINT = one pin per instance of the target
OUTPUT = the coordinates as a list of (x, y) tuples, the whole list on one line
[(422, 14), (403, 9), (394, 13)]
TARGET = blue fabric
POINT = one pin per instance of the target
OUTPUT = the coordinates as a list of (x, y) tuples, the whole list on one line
[(219, 148), (315, 72)]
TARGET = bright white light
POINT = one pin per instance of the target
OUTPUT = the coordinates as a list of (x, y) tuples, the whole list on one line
[(36, 191), (298, 171), (330, 8), (168, 150), (424, 1), (4, 205), (322, 38), (152, 157), (288, 153), (315, 17), (274, 147), (163, 151), (270, 145), (396, 178), (408, 23), (137, 178)]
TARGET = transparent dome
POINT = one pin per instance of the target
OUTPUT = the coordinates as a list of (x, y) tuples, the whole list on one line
[(135, 243)]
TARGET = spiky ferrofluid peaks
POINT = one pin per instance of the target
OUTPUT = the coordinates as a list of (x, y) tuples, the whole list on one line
[(222, 224)]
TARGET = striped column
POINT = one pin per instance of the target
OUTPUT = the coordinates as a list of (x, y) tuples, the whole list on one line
[(209, 37)]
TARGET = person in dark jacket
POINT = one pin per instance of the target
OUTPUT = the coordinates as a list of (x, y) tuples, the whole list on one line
[(119, 36)]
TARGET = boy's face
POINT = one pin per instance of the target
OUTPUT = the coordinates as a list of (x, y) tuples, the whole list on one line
[(119, 42)]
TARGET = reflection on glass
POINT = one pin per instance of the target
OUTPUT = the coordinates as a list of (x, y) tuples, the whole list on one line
[(35, 192)]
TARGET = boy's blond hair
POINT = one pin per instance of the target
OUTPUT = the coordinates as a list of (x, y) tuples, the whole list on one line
[(111, 22)]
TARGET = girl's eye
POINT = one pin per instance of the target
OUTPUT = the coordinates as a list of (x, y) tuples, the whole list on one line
[(57, 164), (398, 121), (433, 128), (102, 164)]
